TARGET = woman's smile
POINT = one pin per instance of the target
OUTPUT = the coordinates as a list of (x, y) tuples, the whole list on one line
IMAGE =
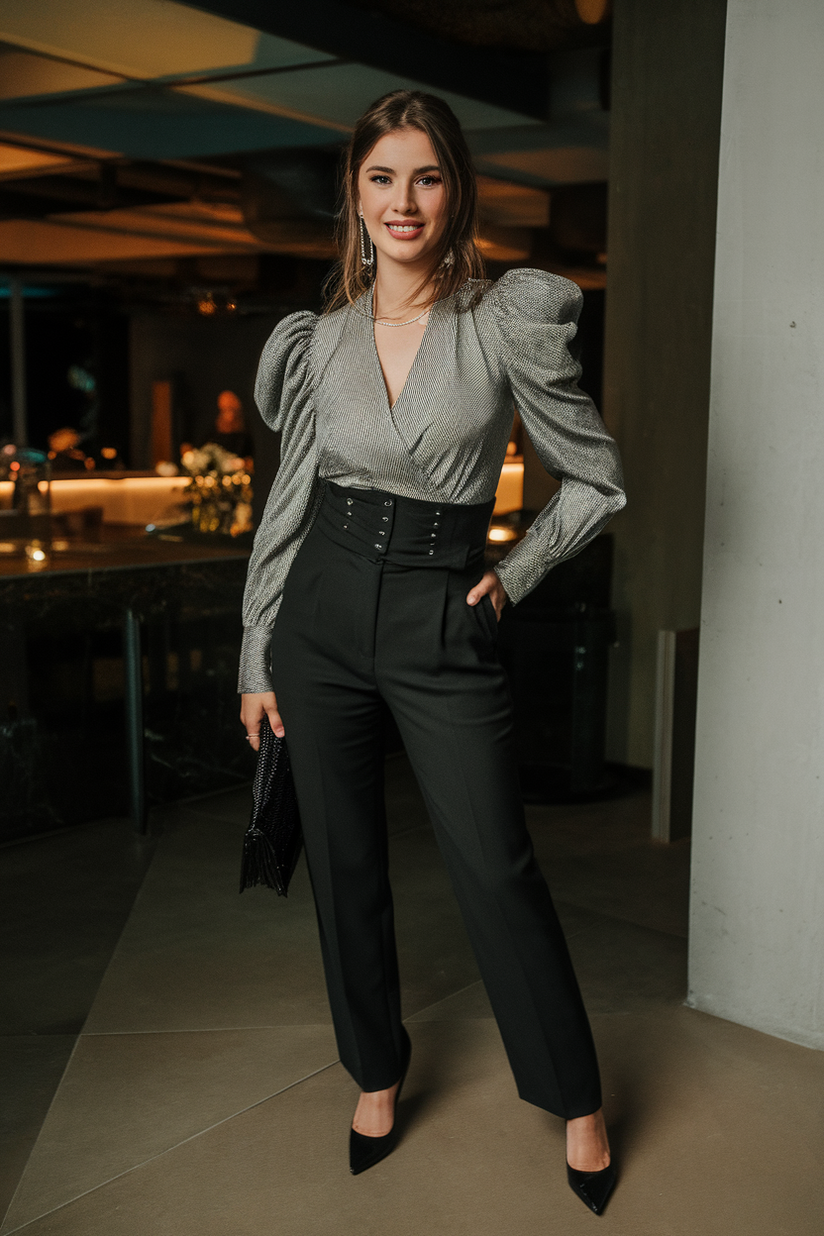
[(404, 229)]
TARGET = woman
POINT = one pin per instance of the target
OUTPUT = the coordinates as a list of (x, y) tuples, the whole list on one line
[(395, 408)]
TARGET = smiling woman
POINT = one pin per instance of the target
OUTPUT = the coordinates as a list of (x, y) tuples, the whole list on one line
[(428, 157), (395, 410)]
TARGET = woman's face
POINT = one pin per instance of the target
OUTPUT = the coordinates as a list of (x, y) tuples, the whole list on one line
[(402, 197)]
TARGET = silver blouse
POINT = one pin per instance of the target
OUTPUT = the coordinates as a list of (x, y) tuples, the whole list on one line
[(320, 385)]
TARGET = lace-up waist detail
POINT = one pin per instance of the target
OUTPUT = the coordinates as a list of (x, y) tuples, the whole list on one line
[(384, 527)]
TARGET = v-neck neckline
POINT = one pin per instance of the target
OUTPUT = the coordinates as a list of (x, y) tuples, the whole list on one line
[(387, 396)]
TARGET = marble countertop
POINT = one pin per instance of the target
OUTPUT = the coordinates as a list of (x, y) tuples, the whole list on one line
[(111, 553)]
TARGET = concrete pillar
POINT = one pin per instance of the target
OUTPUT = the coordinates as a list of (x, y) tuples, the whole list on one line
[(757, 931), (665, 120)]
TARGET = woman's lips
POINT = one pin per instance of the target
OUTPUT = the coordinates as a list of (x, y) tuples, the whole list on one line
[(404, 231)]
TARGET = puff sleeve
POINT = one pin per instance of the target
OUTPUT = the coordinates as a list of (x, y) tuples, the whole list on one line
[(536, 316), (284, 396)]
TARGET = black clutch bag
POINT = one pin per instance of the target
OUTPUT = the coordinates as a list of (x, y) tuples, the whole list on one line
[(273, 840)]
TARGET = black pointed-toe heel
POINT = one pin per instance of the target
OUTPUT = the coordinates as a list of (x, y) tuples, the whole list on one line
[(365, 1152), (593, 1188)]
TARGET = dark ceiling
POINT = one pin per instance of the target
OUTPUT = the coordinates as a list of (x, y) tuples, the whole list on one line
[(522, 25), (132, 132)]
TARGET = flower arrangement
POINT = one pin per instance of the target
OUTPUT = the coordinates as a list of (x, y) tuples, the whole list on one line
[(219, 493)]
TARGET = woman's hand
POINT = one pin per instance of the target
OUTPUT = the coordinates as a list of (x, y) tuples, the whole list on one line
[(492, 585), (252, 708)]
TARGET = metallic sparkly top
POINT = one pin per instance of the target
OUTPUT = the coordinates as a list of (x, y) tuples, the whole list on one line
[(321, 386)]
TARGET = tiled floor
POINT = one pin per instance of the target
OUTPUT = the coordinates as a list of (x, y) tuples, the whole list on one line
[(204, 1097)]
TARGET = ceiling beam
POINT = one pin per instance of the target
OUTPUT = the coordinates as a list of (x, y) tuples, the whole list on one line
[(516, 80)]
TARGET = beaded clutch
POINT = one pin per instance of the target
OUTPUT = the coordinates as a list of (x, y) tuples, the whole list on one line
[(273, 840)]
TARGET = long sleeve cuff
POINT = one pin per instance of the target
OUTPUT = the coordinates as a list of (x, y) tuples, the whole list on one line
[(508, 575), (255, 663), (548, 543)]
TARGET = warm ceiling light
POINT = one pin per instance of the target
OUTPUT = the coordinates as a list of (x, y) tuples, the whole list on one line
[(502, 534), (593, 11), (20, 160)]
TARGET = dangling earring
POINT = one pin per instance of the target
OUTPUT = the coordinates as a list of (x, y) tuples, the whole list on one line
[(364, 238), (449, 259)]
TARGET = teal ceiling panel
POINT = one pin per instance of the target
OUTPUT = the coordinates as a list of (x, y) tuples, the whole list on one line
[(340, 93), (588, 130), (159, 124)]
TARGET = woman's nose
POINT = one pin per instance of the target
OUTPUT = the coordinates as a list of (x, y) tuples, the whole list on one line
[(405, 202)]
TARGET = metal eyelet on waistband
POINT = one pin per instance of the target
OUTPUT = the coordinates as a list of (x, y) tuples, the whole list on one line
[(436, 525), (437, 512), (431, 552), (380, 546), (381, 532), (385, 518), (388, 502), (349, 501), (346, 525), (433, 535)]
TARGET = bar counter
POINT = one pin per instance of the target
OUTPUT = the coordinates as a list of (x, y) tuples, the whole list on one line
[(136, 498), (125, 552), (110, 649)]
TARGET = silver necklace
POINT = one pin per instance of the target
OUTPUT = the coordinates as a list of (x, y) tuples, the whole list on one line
[(379, 322)]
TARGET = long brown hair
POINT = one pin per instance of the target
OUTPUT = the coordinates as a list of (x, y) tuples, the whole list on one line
[(411, 109)]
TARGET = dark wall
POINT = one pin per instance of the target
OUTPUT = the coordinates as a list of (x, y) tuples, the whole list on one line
[(202, 357), (84, 329)]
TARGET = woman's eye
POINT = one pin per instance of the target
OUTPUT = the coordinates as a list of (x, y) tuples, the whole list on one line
[(379, 180), (428, 181)]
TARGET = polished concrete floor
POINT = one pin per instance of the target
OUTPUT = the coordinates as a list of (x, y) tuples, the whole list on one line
[(169, 1067)]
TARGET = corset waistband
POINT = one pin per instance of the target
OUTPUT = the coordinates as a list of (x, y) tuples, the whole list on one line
[(384, 527)]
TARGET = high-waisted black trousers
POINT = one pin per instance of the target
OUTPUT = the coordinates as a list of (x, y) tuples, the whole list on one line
[(374, 609)]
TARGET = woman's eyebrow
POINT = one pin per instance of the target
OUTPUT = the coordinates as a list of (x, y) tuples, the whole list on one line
[(432, 167)]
